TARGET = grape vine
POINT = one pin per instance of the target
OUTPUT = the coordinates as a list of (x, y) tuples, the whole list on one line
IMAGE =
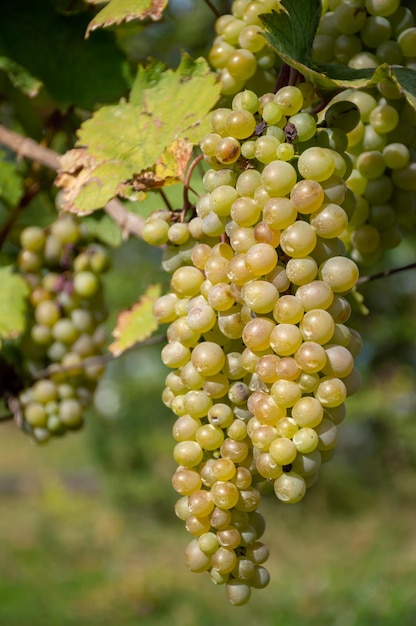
[(295, 144)]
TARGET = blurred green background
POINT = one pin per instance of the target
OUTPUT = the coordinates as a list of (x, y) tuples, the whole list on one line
[(88, 535)]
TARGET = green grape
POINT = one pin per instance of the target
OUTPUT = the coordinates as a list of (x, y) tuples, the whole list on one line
[(350, 18), (382, 7), (375, 31), (240, 124), (241, 64), (384, 118), (290, 487), (298, 240), (339, 273), (246, 100), (85, 284), (342, 114), (70, 413), (329, 221), (32, 238), (290, 100), (228, 150), (278, 177), (316, 163), (65, 229)]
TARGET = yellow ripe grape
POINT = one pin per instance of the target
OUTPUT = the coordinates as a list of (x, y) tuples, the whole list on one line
[(307, 196)]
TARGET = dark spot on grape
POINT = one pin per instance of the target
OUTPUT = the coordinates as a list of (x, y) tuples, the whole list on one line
[(290, 132)]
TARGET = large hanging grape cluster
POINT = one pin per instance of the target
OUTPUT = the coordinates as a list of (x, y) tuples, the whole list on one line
[(261, 356), (365, 33), (62, 353)]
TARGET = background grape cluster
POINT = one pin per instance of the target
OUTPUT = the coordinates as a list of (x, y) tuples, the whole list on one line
[(62, 352)]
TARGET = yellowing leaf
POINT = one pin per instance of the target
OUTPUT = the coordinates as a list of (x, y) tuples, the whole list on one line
[(169, 168), (136, 324), (118, 11), (148, 139), (13, 293), (87, 183)]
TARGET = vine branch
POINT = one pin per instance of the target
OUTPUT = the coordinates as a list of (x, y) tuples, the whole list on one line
[(213, 8), (28, 148), (395, 270), (25, 147)]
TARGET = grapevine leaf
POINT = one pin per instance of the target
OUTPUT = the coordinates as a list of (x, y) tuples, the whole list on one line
[(148, 139), (20, 77), (13, 293), (136, 324), (11, 183), (291, 30), (73, 71), (169, 168), (118, 11), (406, 79)]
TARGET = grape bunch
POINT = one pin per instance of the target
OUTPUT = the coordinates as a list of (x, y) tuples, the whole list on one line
[(365, 34), (383, 178), (62, 352), (382, 145), (239, 51), (261, 357)]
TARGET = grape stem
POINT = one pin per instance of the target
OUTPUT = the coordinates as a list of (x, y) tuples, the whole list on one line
[(386, 273), (24, 147), (213, 8), (283, 77), (320, 106), (186, 186), (166, 200)]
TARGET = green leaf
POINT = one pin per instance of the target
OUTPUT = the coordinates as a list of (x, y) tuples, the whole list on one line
[(11, 183), (102, 185), (118, 11), (291, 31), (136, 324), (148, 138), (52, 48), (13, 293), (406, 78), (20, 77)]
